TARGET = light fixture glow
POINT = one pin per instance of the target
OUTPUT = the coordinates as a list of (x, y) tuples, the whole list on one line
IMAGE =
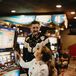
[(13, 11), (62, 29), (75, 17), (72, 12), (56, 30), (58, 6)]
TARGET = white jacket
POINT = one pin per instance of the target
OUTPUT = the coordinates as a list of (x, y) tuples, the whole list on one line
[(35, 68)]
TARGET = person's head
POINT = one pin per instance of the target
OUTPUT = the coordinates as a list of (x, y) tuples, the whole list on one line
[(43, 53), (35, 27), (48, 33)]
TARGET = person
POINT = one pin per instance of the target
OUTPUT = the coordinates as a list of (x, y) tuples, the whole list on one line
[(65, 59), (32, 40), (40, 65), (55, 55)]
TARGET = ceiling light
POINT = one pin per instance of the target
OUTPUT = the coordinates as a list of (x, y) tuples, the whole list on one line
[(58, 6), (75, 17), (13, 11), (56, 30), (62, 29), (72, 12)]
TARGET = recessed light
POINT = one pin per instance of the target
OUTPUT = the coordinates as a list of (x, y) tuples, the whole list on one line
[(58, 6), (13, 11), (72, 12), (75, 17)]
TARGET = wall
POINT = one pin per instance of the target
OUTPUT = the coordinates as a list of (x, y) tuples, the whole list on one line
[(67, 39)]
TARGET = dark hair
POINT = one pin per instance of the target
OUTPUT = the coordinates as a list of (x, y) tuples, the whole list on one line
[(51, 68), (35, 22), (47, 56)]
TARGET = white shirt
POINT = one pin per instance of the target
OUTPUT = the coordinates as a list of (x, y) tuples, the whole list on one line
[(35, 68)]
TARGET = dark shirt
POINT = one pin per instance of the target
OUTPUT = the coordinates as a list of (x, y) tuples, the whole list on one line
[(32, 41)]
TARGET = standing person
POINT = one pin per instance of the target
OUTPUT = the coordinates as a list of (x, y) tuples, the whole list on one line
[(34, 38), (39, 65)]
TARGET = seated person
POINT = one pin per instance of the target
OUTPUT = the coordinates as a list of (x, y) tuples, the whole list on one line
[(64, 59)]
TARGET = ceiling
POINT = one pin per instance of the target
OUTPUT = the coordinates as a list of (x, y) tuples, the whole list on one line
[(37, 6)]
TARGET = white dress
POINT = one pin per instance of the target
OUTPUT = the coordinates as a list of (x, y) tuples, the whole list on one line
[(35, 68)]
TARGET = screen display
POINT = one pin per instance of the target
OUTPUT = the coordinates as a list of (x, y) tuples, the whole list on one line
[(43, 18), (21, 19), (58, 18), (21, 40), (53, 42), (6, 37), (13, 73), (4, 57)]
